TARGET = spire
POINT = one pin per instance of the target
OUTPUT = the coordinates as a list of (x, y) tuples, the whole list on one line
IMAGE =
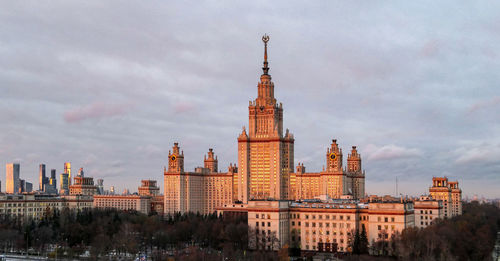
[(265, 39)]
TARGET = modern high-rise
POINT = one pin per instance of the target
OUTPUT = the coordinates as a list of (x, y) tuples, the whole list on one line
[(67, 170), (100, 186), (51, 187), (12, 182), (44, 180), (64, 184), (265, 165)]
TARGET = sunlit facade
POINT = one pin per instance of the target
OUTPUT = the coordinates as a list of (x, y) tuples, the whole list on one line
[(200, 191), (449, 193), (265, 165)]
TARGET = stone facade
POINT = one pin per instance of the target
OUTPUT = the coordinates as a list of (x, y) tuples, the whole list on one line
[(449, 193), (200, 191), (36, 206), (124, 202), (427, 211), (326, 226), (265, 160)]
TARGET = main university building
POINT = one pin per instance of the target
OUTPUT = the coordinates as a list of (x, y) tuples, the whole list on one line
[(265, 165), (317, 211)]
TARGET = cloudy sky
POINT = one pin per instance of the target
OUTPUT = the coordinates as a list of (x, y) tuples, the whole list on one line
[(110, 85)]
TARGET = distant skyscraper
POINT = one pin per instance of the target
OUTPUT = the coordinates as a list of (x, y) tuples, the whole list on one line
[(67, 170), (112, 190), (64, 187), (100, 186), (80, 172), (28, 186), (51, 187), (12, 178), (22, 186), (44, 180)]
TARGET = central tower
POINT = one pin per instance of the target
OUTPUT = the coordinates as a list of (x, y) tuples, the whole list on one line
[(265, 154)]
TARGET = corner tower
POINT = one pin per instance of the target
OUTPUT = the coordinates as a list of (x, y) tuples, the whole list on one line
[(265, 154)]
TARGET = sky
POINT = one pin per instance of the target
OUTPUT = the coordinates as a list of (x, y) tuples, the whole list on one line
[(111, 85)]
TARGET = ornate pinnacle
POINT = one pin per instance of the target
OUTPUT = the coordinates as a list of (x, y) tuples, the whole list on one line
[(265, 39)]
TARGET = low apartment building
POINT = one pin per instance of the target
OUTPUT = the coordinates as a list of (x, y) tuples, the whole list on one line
[(427, 211), (321, 225), (124, 202), (36, 206)]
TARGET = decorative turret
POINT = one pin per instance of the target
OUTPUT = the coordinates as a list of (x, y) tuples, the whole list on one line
[(334, 158), (210, 161), (300, 168), (176, 159), (265, 86), (354, 161)]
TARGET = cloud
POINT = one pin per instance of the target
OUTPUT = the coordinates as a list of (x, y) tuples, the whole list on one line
[(484, 104), (430, 49), (391, 152), (95, 110), (478, 154), (182, 107), (394, 75)]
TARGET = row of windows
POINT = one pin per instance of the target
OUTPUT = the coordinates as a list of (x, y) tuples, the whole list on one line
[(341, 217), (386, 219)]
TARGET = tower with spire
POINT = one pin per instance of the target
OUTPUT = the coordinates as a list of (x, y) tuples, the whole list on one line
[(265, 153)]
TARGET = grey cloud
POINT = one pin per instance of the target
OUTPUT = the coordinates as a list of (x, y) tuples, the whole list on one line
[(96, 82)]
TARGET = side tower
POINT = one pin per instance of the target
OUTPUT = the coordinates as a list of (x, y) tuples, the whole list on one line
[(333, 178), (355, 174), (174, 182), (210, 162), (456, 198), (441, 191), (265, 154)]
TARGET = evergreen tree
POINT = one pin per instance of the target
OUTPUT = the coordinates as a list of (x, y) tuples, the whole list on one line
[(356, 243), (363, 241)]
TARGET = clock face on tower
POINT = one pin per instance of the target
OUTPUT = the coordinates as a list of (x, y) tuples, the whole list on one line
[(173, 158), (261, 108), (333, 156)]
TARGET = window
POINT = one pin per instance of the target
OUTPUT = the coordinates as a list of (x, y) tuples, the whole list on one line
[(256, 215), (386, 219), (379, 227), (392, 219), (256, 224)]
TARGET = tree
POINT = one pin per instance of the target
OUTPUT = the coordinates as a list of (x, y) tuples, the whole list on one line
[(363, 241)]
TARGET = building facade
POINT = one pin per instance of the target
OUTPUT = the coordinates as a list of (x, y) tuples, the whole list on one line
[(200, 191), (449, 193), (427, 211), (265, 165), (12, 181), (129, 202), (43, 179), (36, 206), (325, 226), (83, 185)]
